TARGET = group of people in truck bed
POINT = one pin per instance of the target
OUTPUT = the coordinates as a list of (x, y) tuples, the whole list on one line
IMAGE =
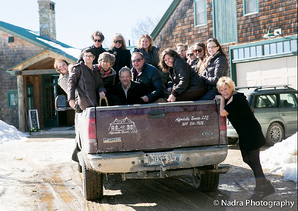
[(172, 75), (186, 73)]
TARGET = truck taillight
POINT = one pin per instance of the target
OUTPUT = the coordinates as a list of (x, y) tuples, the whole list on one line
[(222, 123), (91, 129)]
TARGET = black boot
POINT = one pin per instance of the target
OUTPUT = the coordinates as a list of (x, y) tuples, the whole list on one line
[(74, 156), (263, 191)]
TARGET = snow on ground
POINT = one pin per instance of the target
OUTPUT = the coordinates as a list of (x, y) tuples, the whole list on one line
[(10, 133), (281, 159), (23, 165)]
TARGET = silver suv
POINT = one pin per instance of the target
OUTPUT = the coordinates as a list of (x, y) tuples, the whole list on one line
[(275, 107)]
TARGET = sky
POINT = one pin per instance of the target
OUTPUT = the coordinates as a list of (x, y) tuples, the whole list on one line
[(76, 20)]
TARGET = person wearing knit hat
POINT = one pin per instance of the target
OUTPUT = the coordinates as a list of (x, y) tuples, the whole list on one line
[(108, 74)]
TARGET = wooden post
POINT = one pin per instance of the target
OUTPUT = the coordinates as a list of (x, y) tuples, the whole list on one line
[(21, 108)]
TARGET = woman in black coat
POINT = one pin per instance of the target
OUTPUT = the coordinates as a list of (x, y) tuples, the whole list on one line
[(215, 65), (187, 84), (235, 107), (122, 55)]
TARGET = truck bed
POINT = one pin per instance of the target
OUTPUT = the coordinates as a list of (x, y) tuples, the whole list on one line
[(156, 126)]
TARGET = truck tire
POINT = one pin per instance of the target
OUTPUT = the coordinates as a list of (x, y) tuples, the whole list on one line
[(79, 167), (206, 182), (275, 134), (92, 184), (232, 140)]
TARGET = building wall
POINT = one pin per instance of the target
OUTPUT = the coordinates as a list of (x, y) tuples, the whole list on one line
[(180, 26), (12, 54)]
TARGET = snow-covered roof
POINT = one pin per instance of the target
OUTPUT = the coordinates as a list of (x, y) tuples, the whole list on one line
[(33, 37)]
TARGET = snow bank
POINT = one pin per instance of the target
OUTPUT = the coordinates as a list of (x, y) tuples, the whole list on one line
[(10, 133), (281, 159)]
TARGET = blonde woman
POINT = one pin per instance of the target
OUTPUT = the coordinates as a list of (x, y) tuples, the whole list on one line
[(235, 107), (149, 51), (122, 55)]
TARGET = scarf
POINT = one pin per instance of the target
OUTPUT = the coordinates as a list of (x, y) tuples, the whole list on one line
[(103, 73)]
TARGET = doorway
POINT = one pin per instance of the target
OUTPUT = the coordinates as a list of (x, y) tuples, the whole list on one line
[(49, 89)]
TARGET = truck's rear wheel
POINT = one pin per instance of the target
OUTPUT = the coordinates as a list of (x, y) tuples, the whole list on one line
[(92, 184), (206, 182)]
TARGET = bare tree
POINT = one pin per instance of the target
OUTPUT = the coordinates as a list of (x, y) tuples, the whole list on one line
[(143, 26)]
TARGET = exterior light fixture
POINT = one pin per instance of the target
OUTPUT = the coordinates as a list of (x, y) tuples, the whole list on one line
[(269, 33)]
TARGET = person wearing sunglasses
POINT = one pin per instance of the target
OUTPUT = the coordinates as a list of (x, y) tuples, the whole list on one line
[(97, 38), (149, 51), (191, 58), (215, 66), (199, 50), (150, 77), (187, 84), (122, 55)]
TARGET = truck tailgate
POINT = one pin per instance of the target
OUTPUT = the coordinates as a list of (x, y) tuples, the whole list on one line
[(162, 126)]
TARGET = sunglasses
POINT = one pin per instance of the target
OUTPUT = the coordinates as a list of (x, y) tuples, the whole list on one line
[(136, 60), (198, 50), (97, 40), (118, 41), (190, 54)]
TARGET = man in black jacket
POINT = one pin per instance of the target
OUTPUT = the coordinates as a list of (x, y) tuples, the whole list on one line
[(98, 39), (128, 91), (149, 76)]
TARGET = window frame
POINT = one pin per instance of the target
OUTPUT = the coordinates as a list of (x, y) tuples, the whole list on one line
[(195, 13), (9, 94), (250, 13)]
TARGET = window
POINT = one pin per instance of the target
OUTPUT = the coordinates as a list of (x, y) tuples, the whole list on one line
[(287, 100), (200, 12), (250, 7), (277, 48), (12, 98), (266, 101), (10, 39)]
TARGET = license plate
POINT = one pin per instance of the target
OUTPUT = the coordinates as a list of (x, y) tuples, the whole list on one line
[(159, 158)]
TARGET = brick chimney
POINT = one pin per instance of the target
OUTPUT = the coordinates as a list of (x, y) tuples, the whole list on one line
[(47, 20)]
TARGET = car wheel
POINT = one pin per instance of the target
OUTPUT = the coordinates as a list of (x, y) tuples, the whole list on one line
[(232, 140), (275, 133)]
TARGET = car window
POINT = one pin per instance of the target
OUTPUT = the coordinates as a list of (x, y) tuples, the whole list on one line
[(287, 100), (266, 101)]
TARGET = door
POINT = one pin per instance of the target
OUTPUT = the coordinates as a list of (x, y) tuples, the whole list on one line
[(288, 112), (225, 21), (49, 83)]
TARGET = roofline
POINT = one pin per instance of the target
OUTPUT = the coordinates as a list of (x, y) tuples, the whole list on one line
[(23, 37), (45, 47), (164, 19)]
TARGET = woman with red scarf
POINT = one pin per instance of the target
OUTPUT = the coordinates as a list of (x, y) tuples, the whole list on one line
[(108, 74)]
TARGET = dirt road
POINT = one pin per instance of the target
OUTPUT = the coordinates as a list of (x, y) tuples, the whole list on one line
[(39, 175)]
